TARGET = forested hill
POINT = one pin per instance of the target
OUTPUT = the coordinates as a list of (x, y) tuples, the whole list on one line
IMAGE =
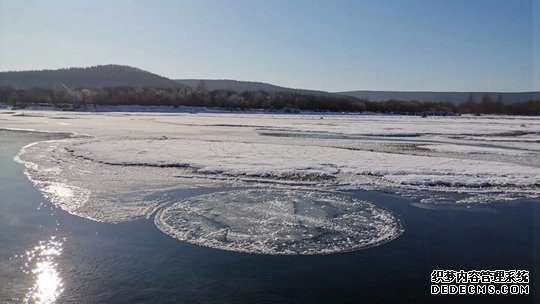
[(243, 86), (374, 96), (123, 85), (91, 77)]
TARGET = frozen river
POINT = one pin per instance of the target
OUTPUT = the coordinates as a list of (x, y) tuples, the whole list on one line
[(392, 197)]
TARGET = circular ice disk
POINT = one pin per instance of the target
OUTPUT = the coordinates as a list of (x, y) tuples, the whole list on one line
[(285, 222)]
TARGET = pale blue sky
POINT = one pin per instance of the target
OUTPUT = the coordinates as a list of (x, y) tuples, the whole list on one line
[(441, 45)]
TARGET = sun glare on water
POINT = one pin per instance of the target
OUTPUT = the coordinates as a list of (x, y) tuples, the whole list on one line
[(47, 283)]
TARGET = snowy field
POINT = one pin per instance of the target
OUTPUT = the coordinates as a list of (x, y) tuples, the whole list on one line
[(275, 184)]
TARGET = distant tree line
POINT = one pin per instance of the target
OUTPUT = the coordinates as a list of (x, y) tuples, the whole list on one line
[(72, 99)]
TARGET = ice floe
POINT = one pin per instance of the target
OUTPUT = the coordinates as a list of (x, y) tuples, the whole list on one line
[(279, 222)]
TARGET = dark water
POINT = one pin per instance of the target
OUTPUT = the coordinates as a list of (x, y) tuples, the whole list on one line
[(134, 262)]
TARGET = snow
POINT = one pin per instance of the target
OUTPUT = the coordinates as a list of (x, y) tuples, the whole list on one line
[(475, 149), (286, 160), (180, 168)]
